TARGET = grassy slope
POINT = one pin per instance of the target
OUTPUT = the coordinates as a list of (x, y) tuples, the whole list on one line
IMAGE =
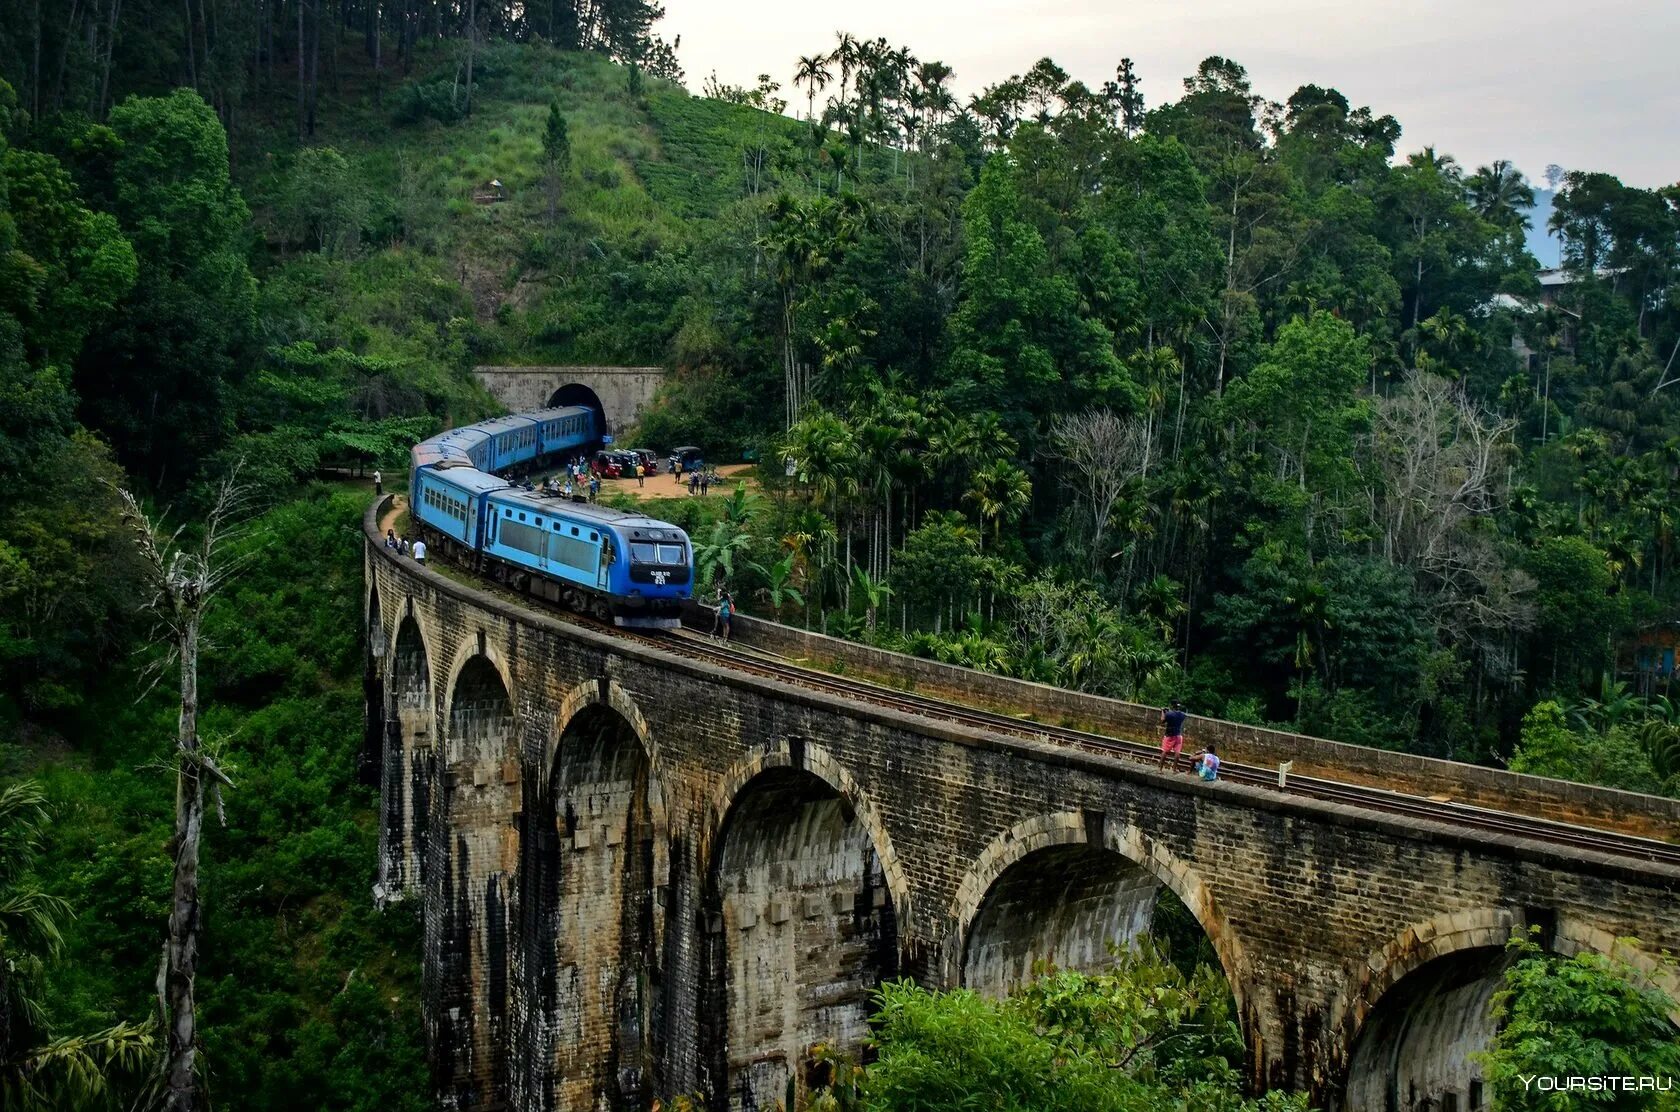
[(650, 174)]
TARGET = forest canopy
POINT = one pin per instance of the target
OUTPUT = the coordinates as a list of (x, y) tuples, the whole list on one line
[(1146, 389)]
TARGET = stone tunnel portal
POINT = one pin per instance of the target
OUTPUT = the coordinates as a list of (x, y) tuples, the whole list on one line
[(575, 393), (801, 932), (586, 940)]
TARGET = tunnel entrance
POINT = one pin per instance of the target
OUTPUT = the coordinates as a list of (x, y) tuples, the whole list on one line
[(800, 932), (1414, 1051), (575, 393), (586, 939)]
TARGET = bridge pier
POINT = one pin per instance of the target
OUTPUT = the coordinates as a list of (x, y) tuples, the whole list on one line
[(642, 875)]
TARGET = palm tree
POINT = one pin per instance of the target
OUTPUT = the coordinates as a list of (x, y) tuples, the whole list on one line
[(932, 78), (1162, 601), (1000, 492), (813, 73), (1444, 165), (846, 54), (874, 592), (1614, 705), (1500, 195), (778, 589), (29, 917), (718, 550), (739, 507), (37, 1071), (828, 465)]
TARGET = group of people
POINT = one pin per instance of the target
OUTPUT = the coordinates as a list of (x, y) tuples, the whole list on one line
[(401, 547), (1204, 764), (699, 482), (571, 484)]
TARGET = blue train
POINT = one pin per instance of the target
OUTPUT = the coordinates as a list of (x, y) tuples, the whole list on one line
[(627, 568)]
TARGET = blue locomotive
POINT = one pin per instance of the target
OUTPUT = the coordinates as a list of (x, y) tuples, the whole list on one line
[(625, 567)]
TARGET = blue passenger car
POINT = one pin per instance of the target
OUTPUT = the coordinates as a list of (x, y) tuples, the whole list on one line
[(628, 567), (450, 499)]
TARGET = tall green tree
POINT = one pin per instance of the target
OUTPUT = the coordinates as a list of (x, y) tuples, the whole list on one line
[(1019, 342), (557, 156), (160, 382)]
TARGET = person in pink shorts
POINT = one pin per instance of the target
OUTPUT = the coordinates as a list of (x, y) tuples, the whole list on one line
[(1172, 734)]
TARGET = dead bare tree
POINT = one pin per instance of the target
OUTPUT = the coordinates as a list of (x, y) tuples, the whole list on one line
[(1108, 452), (185, 578), (1442, 463)]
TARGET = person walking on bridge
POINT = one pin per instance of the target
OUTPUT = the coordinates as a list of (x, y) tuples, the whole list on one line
[(378, 484), (725, 615), (1172, 734)]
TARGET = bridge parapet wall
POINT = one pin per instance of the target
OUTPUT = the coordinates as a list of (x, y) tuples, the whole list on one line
[(1627, 812)]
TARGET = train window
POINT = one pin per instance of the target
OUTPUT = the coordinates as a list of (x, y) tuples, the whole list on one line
[(521, 517), (668, 554)]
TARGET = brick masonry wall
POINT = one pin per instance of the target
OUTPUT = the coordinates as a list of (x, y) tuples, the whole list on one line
[(1629, 812), (624, 391), (1314, 909)]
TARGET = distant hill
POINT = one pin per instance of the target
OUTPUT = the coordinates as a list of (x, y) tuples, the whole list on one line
[(1541, 243)]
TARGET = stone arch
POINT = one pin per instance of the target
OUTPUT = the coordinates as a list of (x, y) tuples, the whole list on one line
[(378, 641), (1417, 1009), (1575, 936), (1098, 830), (475, 651), (466, 966), (590, 881), (408, 772), (800, 754), (1438, 937), (1408, 1023), (610, 693), (576, 393), (800, 923)]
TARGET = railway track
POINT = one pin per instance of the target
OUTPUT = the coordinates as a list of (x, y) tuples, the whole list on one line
[(1465, 816), (1375, 799)]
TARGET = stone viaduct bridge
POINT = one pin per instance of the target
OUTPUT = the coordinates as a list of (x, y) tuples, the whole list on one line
[(642, 874)]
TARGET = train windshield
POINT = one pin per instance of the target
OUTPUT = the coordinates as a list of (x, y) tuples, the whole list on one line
[(668, 554)]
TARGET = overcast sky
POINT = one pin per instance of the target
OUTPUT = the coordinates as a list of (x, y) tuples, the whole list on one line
[(1588, 85)]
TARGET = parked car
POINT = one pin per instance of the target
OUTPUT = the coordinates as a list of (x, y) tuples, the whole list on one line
[(687, 458), (609, 464), (649, 458)]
